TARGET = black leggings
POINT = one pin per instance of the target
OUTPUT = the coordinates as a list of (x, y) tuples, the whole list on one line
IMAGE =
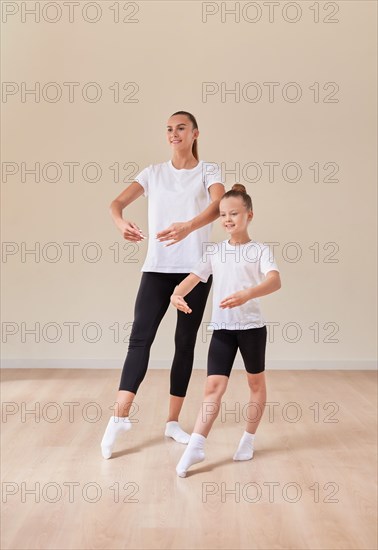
[(152, 302), (225, 343)]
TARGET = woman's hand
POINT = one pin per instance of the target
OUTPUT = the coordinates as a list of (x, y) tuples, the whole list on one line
[(237, 299), (130, 231), (179, 303), (175, 232)]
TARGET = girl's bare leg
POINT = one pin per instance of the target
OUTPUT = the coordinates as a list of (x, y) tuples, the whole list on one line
[(255, 410), (257, 398), (214, 390)]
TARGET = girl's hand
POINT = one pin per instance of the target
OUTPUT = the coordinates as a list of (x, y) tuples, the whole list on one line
[(175, 232), (130, 231), (234, 300), (179, 303)]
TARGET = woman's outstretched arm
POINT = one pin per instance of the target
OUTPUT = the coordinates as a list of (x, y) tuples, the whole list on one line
[(129, 230), (179, 230)]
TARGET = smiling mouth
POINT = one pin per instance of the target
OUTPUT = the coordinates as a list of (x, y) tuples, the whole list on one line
[(176, 141)]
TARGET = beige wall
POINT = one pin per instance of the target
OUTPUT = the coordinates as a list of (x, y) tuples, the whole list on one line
[(170, 52)]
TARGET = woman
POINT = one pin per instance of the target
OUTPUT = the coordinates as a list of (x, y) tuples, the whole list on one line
[(183, 188)]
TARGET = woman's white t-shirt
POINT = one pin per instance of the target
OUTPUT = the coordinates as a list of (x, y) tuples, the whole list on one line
[(234, 268), (176, 196)]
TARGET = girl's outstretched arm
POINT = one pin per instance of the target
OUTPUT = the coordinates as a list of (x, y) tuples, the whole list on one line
[(271, 284), (177, 298)]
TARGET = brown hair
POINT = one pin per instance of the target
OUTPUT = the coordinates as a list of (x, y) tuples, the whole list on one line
[(195, 127), (238, 190)]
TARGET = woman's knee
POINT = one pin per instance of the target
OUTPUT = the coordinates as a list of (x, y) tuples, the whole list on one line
[(141, 335), (185, 340)]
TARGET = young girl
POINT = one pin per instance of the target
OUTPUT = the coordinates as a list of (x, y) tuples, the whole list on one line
[(183, 201), (243, 270)]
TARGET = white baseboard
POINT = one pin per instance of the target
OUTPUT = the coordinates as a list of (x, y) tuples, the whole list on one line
[(274, 364)]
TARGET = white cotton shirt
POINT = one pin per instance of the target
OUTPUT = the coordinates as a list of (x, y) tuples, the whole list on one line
[(234, 268), (176, 195)]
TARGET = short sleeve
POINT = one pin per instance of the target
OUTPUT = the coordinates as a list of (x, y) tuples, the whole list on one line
[(203, 269), (142, 178), (212, 173), (267, 261)]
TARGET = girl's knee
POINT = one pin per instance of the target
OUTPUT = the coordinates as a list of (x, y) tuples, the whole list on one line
[(256, 382), (216, 385)]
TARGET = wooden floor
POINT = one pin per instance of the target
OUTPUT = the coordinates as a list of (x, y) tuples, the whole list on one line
[(311, 484)]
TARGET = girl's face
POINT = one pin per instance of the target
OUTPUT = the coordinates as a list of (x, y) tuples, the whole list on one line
[(180, 133), (234, 215)]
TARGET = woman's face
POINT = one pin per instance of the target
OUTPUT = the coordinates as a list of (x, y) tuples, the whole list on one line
[(180, 133)]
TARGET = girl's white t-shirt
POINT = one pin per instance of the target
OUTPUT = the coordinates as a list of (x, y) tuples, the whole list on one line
[(234, 268), (176, 195)]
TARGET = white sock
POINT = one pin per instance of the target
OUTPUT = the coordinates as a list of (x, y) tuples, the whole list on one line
[(116, 425), (173, 430), (245, 449), (193, 454)]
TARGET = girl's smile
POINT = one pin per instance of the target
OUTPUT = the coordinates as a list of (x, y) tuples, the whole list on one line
[(235, 218)]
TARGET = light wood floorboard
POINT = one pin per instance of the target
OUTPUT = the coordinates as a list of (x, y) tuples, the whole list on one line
[(327, 459)]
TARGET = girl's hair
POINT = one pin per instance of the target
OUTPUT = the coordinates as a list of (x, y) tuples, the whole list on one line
[(238, 190), (195, 127)]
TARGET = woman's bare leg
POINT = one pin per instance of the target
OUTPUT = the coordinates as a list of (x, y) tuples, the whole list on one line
[(123, 403), (175, 406), (118, 423)]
